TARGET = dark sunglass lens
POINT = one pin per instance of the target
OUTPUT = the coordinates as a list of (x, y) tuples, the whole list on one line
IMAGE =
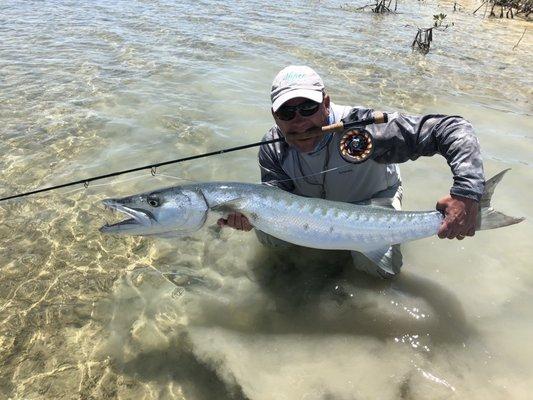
[(285, 114), (309, 108)]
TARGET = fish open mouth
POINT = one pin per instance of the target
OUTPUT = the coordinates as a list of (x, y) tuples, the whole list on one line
[(136, 217), (128, 221)]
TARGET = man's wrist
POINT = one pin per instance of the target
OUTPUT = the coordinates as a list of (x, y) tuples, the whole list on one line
[(466, 193)]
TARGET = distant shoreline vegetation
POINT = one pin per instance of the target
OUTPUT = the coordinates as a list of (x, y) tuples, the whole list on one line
[(424, 36), (498, 8), (508, 8)]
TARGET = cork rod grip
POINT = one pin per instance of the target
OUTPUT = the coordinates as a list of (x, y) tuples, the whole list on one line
[(380, 117), (376, 118), (337, 127)]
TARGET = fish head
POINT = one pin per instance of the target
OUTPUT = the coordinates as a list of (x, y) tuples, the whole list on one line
[(178, 210)]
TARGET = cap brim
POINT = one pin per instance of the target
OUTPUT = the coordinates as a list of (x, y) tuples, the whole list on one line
[(314, 95)]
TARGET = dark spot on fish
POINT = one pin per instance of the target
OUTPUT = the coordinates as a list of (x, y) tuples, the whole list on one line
[(330, 229), (306, 227), (253, 216)]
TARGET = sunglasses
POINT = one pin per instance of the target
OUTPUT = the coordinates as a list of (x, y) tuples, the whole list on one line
[(306, 109)]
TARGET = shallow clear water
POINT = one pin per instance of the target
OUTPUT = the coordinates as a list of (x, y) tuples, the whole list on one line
[(95, 87)]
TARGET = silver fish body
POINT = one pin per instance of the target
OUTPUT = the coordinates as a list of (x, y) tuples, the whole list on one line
[(319, 223), (309, 222)]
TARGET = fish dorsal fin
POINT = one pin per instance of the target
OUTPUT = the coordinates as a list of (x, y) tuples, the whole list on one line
[(388, 258), (236, 204), (490, 185), (488, 218)]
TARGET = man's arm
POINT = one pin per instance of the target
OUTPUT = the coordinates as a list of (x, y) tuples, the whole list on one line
[(407, 137)]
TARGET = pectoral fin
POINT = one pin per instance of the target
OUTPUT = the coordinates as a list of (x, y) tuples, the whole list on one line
[(389, 258), (382, 202), (173, 234)]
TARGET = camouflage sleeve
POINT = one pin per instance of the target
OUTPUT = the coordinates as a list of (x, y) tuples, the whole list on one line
[(407, 137), (272, 173)]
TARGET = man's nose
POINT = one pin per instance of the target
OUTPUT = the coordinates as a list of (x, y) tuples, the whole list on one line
[(298, 122)]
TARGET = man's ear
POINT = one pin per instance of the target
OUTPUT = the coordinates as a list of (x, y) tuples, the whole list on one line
[(326, 102), (273, 115)]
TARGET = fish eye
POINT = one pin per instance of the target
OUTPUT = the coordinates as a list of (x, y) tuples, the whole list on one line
[(153, 201)]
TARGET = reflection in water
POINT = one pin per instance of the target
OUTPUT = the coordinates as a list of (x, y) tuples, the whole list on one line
[(177, 362), (155, 336), (319, 292)]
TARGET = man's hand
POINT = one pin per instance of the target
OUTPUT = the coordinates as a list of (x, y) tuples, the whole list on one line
[(460, 217), (236, 221)]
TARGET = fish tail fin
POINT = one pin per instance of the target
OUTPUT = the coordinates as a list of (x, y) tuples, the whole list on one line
[(489, 218)]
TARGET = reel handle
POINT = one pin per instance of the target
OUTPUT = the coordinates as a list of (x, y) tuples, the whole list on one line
[(377, 117), (356, 146)]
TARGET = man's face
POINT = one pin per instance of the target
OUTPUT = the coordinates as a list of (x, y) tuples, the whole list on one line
[(300, 124)]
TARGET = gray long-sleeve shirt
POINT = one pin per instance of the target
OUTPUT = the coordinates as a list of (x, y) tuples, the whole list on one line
[(403, 138)]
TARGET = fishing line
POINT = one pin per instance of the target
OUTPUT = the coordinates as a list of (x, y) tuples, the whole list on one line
[(177, 178), (152, 167), (106, 184), (302, 177), (269, 182), (356, 146)]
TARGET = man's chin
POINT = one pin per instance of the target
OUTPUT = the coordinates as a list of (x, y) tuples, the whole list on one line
[(305, 146)]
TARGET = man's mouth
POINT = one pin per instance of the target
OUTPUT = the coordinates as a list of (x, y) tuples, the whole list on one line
[(303, 134)]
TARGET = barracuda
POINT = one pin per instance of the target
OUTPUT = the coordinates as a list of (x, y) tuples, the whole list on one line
[(323, 224)]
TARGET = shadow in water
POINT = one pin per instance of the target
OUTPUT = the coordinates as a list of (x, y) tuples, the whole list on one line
[(198, 380), (320, 292)]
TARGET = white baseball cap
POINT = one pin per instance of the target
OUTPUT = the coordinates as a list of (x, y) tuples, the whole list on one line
[(296, 81)]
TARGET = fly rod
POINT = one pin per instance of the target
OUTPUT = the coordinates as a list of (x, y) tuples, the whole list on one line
[(356, 146)]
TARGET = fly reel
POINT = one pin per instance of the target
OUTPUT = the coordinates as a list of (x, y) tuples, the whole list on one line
[(356, 146)]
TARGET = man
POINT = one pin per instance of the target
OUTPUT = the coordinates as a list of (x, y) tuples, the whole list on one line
[(313, 167)]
